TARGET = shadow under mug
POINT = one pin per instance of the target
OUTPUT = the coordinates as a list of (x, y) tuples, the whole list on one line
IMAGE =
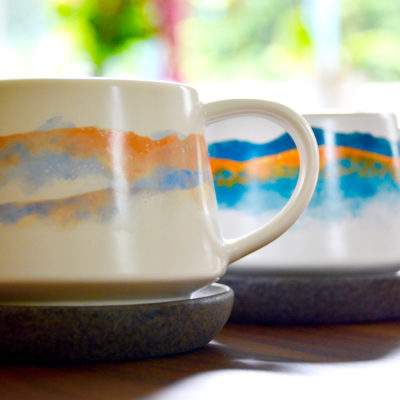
[(352, 222), (106, 192)]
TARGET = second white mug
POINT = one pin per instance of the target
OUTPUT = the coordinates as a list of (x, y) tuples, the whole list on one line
[(353, 220)]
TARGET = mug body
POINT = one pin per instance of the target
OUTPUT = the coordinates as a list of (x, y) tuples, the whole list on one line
[(353, 220), (105, 191)]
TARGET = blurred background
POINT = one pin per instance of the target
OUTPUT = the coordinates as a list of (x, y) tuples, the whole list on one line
[(314, 55)]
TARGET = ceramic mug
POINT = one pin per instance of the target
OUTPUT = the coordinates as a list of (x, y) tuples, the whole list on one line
[(352, 223), (106, 191)]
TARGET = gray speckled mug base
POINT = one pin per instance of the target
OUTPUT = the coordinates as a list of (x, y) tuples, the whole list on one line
[(288, 299), (63, 334)]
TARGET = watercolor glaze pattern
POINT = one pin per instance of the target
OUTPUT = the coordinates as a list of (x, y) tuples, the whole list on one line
[(261, 177), (43, 173), (101, 203), (356, 204)]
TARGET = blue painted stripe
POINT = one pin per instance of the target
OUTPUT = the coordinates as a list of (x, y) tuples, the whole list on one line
[(238, 150)]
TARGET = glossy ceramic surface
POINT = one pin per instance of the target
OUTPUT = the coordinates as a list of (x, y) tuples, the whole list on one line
[(106, 190), (353, 219)]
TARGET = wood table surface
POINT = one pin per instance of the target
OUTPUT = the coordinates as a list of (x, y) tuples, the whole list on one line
[(359, 361)]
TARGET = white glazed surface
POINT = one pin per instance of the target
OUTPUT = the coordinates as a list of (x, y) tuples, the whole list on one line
[(366, 240), (155, 236), (106, 192)]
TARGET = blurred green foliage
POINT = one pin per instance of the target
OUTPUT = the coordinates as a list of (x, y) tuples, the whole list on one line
[(231, 39), (371, 37), (104, 28), (271, 39), (243, 39)]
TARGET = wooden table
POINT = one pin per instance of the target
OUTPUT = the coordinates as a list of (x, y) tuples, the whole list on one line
[(244, 362)]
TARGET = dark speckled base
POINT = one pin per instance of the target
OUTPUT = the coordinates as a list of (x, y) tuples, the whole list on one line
[(311, 299), (48, 334)]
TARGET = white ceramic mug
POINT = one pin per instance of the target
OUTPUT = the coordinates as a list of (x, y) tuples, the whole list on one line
[(106, 192), (352, 223)]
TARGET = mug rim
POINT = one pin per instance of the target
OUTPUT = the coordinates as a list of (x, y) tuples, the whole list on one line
[(349, 113), (96, 80)]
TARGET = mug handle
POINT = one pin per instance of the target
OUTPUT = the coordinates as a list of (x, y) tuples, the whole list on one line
[(306, 144)]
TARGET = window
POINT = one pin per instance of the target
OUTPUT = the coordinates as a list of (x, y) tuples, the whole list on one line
[(311, 54)]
